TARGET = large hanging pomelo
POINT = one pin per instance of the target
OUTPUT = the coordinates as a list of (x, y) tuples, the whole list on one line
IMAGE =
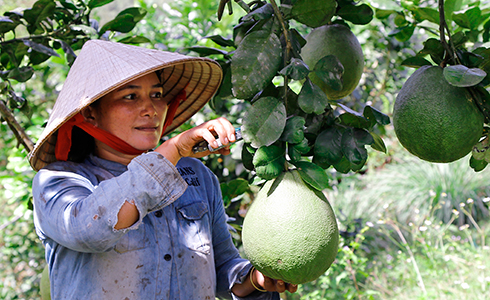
[(434, 120), (290, 232), (339, 41), (45, 285)]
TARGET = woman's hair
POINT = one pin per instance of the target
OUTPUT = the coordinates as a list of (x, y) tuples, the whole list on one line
[(82, 143)]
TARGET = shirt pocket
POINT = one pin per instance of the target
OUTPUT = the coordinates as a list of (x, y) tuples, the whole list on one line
[(194, 226), (133, 240)]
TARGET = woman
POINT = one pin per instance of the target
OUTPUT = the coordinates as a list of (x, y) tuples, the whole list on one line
[(121, 219)]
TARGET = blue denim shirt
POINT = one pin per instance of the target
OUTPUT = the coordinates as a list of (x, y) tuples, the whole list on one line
[(180, 247)]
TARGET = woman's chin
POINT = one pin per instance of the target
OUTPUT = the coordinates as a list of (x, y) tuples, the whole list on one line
[(145, 145)]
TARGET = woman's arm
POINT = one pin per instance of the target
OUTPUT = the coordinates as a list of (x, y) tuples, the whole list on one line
[(86, 216)]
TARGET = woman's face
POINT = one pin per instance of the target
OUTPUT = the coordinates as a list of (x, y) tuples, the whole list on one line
[(134, 113)]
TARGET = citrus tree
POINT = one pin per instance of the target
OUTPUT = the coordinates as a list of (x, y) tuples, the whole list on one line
[(292, 72), (295, 61)]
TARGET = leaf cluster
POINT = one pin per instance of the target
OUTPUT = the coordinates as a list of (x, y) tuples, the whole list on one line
[(452, 26), (51, 29), (291, 121)]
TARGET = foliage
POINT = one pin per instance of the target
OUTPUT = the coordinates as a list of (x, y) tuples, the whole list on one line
[(36, 48), (412, 186), (427, 259)]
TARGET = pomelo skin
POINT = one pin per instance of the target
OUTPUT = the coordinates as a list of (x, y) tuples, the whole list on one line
[(434, 120), (290, 232), (45, 285), (335, 40)]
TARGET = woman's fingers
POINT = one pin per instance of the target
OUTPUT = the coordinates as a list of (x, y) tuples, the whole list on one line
[(273, 285), (221, 128)]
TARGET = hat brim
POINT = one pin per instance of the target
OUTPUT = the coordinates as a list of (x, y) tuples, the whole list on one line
[(201, 78)]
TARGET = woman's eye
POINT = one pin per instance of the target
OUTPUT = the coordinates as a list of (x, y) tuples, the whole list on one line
[(130, 97), (157, 95)]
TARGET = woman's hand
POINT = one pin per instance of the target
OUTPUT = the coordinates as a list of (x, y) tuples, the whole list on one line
[(272, 285), (257, 281), (182, 144)]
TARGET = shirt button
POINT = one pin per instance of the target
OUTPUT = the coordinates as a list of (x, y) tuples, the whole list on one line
[(167, 257), (158, 214)]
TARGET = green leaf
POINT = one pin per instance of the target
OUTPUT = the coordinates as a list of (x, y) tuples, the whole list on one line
[(138, 13), (477, 165), (206, 51), (470, 19), (403, 33), (434, 48), (313, 175), (269, 161), (135, 40), (425, 13), (255, 62), (328, 148), (122, 23), (21, 74), (98, 3), (294, 155), (40, 48), (450, 6), (294, 130), (264, 122), (378, 143), (296, 69), (41, 10), (218, 39), (312, 99), (474, 16), (314, 13), (462, 76), (415, 62), (247, 157), (302, 147), (261, 13), (384, 13), (375, 116), (352, 120), (330, 70), (343, 166), (353, 142), (233, 189), (7, 24), (360, 14), (459, 39), (68, 5)]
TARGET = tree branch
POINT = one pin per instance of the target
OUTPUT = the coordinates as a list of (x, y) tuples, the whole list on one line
[(18, 131)]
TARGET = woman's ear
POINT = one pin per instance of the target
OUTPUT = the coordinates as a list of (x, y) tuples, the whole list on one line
[(89, 114)]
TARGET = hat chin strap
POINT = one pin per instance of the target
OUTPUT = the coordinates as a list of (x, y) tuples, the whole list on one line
[(64, 139)]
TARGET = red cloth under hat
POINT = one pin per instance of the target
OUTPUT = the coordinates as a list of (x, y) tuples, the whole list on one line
[(63, 144)]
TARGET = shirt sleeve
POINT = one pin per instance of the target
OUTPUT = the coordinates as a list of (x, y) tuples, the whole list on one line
[(230, 267), (77, 213)]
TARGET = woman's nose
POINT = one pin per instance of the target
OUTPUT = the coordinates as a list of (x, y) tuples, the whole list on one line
[(148, 108)]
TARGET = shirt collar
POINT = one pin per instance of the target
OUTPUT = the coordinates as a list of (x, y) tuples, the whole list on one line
[(114, 167)]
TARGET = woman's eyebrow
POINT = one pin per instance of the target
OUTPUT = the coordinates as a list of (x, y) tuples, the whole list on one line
[(136, 87)]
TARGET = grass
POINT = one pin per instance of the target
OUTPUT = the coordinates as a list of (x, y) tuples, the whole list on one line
[(411, 230), (413, 186)]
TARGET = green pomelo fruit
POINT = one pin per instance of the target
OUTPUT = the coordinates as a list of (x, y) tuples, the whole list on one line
[(45, 285), (290, 232), (339, 41), (434, 120)]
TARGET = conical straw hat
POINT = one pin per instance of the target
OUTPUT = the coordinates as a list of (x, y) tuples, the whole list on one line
[(103, 66)]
